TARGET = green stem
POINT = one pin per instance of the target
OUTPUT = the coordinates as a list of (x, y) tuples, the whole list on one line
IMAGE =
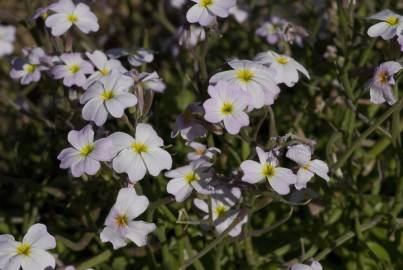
[(104, 256), (344, 238), (396, 107), (216, 241)]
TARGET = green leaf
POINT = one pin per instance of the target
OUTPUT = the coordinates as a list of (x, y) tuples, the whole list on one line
[(379, 251)]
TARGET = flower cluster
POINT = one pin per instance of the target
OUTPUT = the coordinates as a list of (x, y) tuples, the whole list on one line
[(113, 87), (389, 27), (277, 29)]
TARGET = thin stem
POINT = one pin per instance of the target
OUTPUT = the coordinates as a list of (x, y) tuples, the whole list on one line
[(344, 238), (257, 233), (216, 241), (104, 256), (396, 107)]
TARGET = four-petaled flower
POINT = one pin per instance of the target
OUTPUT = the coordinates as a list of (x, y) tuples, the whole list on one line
[(195, 176), (285, 68), (380, 88), (85, 155), (108, 96), (68, 14), (301, 154), (227, 104), (72, 70), (31, 253), (254, 79), (267, 168), (120, 223), (136, 156), (104, 67), (388, 27), (28, 69), (205, 11)]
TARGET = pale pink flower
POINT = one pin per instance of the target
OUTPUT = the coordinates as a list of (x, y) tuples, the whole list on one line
[(144, 153), (29, 254), (204, 12), (227, 105), (72, 70), (302, 154), (85, 155), (120, 224), (267, 168), (69, 14)]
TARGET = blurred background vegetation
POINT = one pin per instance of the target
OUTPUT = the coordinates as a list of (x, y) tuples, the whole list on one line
[(354, 222)]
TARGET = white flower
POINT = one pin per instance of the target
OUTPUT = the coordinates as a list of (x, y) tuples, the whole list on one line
[(223, 201), (315, 265), (85, 155), (104, 67), (201, 152), (72, 70), (31, 253), (196, 176), (109, 96), (388, 26), (254, 79), (68, 14), (138, 155), (205, 11), (301, 154), (7, 37), (380, 87), (279, 178), (120, 223), (285, 68), (140, 57), (28, 69), (227, 104)]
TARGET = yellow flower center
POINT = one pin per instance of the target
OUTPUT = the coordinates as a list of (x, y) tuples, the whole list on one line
[(220, 210), (227, 108), (28, 68), (383, 77), (139, 148), (24, 249), (121, 221), (106, 95), (306, 166), (392, 20), (191, 177), (74, 68), (206, 3), (72, 18), (87, 150), (245, 75), (44, 15), (268, 170), (282, 60), (104, 71)]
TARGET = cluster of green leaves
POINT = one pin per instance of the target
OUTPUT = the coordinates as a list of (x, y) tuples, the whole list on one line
[(353, 223)]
